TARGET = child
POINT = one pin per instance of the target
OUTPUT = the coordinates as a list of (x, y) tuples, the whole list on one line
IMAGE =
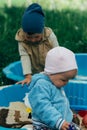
[(50, 107), (34, 41)]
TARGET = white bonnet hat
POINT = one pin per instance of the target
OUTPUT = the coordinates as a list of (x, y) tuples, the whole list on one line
[(59, 59)]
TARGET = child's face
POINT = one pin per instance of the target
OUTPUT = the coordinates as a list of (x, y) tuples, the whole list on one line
[(61, 79), (34, 38)]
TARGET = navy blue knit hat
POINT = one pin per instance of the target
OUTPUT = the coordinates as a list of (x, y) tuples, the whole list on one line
[(33, 19)]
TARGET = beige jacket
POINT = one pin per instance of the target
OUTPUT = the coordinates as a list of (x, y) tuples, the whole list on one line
[(33, 57)]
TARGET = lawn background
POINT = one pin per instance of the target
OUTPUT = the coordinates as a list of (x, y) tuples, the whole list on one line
[(67, 18)]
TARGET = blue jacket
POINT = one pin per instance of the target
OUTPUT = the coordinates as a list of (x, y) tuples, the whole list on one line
[(49, 103)]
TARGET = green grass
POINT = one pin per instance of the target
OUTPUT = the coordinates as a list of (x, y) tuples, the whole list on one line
[(17, 3), (49, 4)]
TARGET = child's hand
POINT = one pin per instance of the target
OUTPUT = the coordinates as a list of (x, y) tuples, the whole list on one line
[(27, 80), (65, 126)]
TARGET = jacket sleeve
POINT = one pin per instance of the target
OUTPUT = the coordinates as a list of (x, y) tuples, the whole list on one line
[(54, 40), (25, 59), (42, 107)]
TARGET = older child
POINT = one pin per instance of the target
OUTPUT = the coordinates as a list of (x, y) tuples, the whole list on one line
[(34, 41), (50, 107)]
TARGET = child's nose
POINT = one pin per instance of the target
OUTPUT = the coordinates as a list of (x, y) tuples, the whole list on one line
[(33, 40)]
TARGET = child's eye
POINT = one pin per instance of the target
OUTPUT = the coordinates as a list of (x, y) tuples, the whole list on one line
[(64, 80)]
